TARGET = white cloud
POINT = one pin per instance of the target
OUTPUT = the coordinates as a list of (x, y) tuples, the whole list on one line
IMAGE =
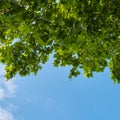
[(2, 94), (2, 71), (7, 88), (10, 88), (5, 115)]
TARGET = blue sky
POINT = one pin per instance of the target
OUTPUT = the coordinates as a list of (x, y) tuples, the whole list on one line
[(52, 96)]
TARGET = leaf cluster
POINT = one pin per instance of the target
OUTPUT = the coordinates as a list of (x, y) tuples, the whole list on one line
[(81, 34)]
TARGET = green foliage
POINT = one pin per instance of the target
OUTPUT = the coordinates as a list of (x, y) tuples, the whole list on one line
[(82, 34)]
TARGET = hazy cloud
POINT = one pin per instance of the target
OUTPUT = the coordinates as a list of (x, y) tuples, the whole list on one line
[(5, 115), (7, 88), (2, 94), (10, 88)]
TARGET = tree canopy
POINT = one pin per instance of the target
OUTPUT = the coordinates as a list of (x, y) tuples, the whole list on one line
[(84, 34)]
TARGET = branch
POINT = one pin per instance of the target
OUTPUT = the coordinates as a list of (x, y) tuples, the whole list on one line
[(46, 20)]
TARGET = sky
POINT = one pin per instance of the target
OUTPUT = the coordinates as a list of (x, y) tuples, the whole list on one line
[(52, 96)]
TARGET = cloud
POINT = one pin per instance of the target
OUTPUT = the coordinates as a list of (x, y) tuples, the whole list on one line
[(5, 115), (7, 88), (10, 88), (2, 71), (2, 94)]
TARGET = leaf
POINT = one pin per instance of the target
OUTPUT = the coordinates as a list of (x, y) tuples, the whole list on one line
[(84, 35)]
